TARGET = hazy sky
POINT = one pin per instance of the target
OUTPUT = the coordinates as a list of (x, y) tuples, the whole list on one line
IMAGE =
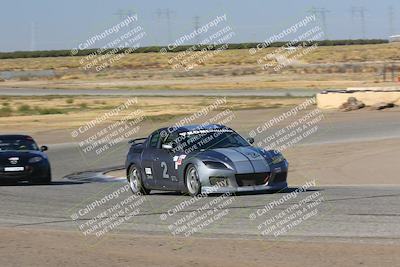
[(56, 24)]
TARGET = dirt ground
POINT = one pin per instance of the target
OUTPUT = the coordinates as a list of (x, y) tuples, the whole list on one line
[(227, 81), (43, 248), (346, 164)]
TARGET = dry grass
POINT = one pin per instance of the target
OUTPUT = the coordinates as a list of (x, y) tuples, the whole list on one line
[(154, 108), (227, 70), (141, 61)]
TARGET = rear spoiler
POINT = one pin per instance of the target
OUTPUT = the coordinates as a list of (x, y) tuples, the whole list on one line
[(137, 140)]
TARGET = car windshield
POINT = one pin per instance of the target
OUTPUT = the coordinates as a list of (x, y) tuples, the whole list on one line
[(17, 144), (213, 139)]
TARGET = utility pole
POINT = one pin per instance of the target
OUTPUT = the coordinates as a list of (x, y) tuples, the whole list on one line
[(391, 21), (321, 13), (196, 23), (33, 36), (158, 14), (167, 13), (119, 13), (359, 12), (122, 14)]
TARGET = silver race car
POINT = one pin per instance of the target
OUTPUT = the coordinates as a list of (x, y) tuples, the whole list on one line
[(202, 159)]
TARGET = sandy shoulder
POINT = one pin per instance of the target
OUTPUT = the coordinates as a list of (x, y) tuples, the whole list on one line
[(357, 163), (27, 247)]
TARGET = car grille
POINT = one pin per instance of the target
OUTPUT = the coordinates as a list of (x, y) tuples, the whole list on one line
[(19, 174), (249, 179), (22, 174)]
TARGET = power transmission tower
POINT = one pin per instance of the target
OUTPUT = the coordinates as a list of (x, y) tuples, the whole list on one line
[(159, 14), (391, 20), (321, 13), (196, 23), (168, 14), (33, 36), (121, 13), (165, 14), (360, 13)]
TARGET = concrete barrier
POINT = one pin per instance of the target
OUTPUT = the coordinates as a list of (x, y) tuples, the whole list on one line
[(369, 96)]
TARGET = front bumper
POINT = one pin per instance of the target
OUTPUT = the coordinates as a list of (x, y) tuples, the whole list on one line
[(231, 181), (231, 189), (30, 172)]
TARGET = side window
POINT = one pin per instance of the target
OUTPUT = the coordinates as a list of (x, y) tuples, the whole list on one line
[(154, 140), (171, 138)]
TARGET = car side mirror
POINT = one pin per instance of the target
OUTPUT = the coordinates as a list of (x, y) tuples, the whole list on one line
[(44, 148), (167, 146), (250, 140)]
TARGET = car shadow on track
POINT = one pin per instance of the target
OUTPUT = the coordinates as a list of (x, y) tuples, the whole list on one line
[(55, 183), (265, 192), (282, 191)]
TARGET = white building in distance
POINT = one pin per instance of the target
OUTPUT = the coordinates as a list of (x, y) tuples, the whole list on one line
[(394, 38)]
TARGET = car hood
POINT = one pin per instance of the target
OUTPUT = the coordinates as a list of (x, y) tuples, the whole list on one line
[(23, 156), (242, 159)]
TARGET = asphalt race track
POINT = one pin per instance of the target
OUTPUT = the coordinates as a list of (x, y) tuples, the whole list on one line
[(342, 212), (346, 212)]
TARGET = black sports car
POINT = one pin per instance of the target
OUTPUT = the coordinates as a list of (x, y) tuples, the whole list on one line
[(203, 159), (22, 160)]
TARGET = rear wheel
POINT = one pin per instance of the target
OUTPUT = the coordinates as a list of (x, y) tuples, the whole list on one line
[(192, 181), (135, 181)]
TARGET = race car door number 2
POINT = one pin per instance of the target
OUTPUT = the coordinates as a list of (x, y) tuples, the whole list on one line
[(165, 170)]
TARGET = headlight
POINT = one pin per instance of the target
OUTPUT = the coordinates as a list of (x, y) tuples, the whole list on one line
[(214, 165), (277, 159), (35, 159)]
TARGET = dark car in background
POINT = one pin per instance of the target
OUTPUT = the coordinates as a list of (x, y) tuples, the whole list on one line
[(21, 159)]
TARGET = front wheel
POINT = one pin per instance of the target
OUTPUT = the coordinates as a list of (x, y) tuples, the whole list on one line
[(135, 181), (43, 180), (192, 181)]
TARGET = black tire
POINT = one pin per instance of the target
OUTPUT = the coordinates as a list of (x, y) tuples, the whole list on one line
[(136, 185), (192, 181), (43, 180)]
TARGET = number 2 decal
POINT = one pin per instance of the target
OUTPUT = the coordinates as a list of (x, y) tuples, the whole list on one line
[(165, 170)]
